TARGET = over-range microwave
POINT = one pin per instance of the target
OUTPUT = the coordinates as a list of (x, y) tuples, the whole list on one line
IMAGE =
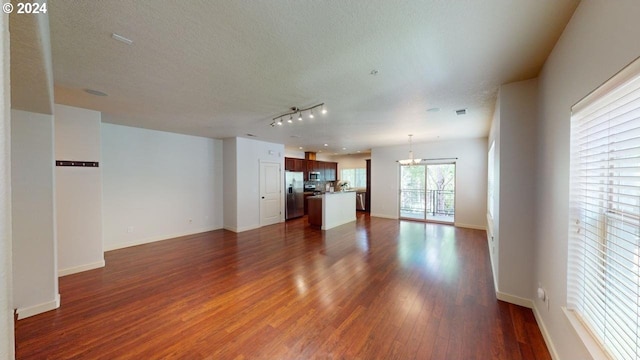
[(314, 176)]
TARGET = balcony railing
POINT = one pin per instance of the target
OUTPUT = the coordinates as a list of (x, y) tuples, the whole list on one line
[(431, 202)]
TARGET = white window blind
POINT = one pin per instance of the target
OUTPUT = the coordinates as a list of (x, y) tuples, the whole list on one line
[(357, 178), (604, 227)]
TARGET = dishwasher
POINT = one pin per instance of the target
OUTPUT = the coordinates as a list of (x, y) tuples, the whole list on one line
[(360, 201)]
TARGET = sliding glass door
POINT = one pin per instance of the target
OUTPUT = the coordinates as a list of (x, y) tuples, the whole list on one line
[(427, 192)]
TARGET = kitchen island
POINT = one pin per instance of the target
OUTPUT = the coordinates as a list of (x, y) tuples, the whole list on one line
[(332, 209)]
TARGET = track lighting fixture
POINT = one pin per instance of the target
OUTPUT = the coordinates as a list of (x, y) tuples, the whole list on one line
[(295, 110)]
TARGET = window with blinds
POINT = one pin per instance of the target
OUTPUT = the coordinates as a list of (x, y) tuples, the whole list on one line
[(357, 178), (604, 227)]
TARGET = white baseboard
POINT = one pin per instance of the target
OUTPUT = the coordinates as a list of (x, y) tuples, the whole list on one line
[(81, 268), (514, 299), (384, 216), (241, 229), (531, 305), (38, 309), (122, 245), (545, 334), (469, 226)]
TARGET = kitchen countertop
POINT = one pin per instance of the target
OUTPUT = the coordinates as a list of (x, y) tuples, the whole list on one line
[(332, 193)]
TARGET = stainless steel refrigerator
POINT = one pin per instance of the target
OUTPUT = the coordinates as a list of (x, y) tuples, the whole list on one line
[(294, 189)]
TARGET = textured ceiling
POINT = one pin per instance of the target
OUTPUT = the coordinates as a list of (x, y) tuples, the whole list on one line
[(226, 68), (31, 73)]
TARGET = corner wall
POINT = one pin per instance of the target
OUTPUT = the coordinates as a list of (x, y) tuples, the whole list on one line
[(471, 178), (78, 190), (511, 239), (601, 38), (242, 173), (35, 271), (230, 174), (7, 346), (158, 185), (493, 221)]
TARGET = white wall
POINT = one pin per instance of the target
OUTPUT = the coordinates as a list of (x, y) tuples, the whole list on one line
[(601, 38), (78, 190), (245, 155), (230, 155), (298, 154), (514, 193), (6, 289), (471, 178), (35, 275), (353, 161), (158, 185)]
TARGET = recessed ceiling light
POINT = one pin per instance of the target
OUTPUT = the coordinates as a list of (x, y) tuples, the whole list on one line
[(344, 148), (300, 147), (326, 144), (433, 109), (121, 38), (359, 151), (461, 111), (95, 92)]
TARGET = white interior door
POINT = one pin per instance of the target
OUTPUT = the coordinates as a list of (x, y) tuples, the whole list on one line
[(270, 193)]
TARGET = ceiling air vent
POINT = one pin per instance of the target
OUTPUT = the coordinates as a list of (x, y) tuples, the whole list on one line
[(461, 112)]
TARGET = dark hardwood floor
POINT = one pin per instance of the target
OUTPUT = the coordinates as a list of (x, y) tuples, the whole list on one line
[(373, 289)]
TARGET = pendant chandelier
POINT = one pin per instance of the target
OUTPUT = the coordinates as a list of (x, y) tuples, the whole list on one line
[(411, 160)]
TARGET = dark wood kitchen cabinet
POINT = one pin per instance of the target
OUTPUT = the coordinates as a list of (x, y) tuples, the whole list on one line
[(331, 171), (328, 170), (312, 165), (293, 164), (288, 164)]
